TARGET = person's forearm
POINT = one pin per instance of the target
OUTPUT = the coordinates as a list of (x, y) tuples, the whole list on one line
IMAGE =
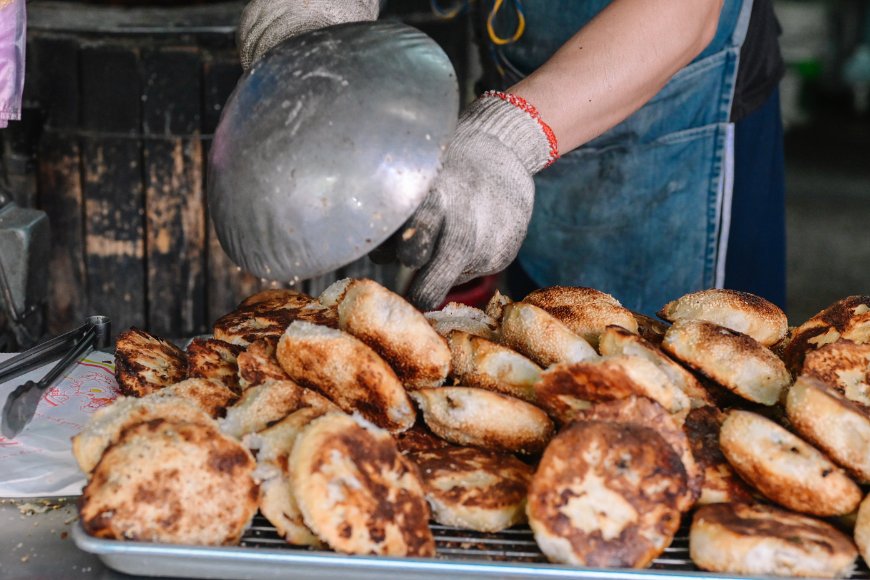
[(616, 63)]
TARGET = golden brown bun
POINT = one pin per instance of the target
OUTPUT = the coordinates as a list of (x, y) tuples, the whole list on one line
[(348, 372), (651, 329), (456, 316), (762, 540), (721, 483), (145, 363), (357, 492), (785, 468), (831, 422), (258, 363), (419, 438), (269, 313), (277, 502), (481, 363), (542, 337), (264, 404), (643, 412), (862, 529), (731, 359), (605, 495), (564, 390), (211, 396), (495, 307), (481, 418), (395, 330), (848, 318), (615, 340), (472, 488), (105, 426), (845, 367), (214, 359), (740, 311), (171, 482), (585, 311)]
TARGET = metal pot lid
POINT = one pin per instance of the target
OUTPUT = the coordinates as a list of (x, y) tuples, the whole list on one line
[(327, 146)]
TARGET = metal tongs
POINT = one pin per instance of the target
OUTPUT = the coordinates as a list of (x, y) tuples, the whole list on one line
[(71, 346)]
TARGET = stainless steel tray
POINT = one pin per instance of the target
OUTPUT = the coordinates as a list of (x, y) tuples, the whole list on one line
[(460, 554)]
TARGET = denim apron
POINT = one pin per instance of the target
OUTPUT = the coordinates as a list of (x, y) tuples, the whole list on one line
[(642, 211)]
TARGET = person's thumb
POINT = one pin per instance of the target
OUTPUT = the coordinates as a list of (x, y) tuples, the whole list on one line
[(435, 279)]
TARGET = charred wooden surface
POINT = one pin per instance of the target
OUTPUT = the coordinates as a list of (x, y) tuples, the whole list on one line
[(120, 106)]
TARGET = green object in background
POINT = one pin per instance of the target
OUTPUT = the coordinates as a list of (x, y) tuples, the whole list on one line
[(808, 69)]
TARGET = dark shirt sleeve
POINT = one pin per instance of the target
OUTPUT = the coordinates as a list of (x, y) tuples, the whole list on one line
[(761, 64)]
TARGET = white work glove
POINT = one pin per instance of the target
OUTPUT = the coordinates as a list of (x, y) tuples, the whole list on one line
[(265, 23), (477, 212)]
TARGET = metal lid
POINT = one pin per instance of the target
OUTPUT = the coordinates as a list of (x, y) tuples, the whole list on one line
[(327, 145)]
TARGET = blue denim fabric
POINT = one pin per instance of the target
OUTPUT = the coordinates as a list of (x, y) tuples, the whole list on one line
[(637, 211)]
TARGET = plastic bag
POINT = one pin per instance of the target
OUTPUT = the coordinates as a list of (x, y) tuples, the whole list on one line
[(39, 461), (13, 37)]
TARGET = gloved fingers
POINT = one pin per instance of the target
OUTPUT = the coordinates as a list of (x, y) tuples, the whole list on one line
[(434, 281), (416, 239), (256, 18), (265, 23)]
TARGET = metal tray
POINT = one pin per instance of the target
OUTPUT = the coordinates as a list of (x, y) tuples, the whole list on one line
[(460, 554)]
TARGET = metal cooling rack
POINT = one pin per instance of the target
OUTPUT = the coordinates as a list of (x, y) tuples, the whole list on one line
[(460, 554)]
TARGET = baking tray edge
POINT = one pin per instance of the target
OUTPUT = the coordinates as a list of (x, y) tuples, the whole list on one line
[(236, 563)]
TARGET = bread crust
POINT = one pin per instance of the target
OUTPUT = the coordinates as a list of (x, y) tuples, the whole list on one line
[(721, 482), (845, 367), (473, 488), (214, 359), (495, 306), (481, 363), (145, 363), (397, 331), (762, 540), (643, 412), (739, 311), (785, 468), (419, 438), (477, 417), (456, 316), (348, 372), (833, 423), (731, 359), (264, 404), (269, 313), (277, 502), (605, 495), (210, 395), (848, 318), (862, 529), (357, 492), (258, 363), (105, 426), (651, 329), (615, 340), (565, 390), (171, 482), (542, 337), (586, 311)]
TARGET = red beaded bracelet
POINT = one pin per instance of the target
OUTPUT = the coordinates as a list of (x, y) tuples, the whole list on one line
[(529, 108)]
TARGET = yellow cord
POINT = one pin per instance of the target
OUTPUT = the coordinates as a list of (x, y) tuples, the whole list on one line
[(493, 36)]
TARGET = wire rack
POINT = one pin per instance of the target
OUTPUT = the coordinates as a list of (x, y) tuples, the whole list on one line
[(515, 545)]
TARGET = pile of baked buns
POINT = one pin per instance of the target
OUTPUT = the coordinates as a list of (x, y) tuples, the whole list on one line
[(352, 420)]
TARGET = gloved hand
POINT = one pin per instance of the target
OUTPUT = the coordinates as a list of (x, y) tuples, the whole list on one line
[(477, 212), (265, 23)]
